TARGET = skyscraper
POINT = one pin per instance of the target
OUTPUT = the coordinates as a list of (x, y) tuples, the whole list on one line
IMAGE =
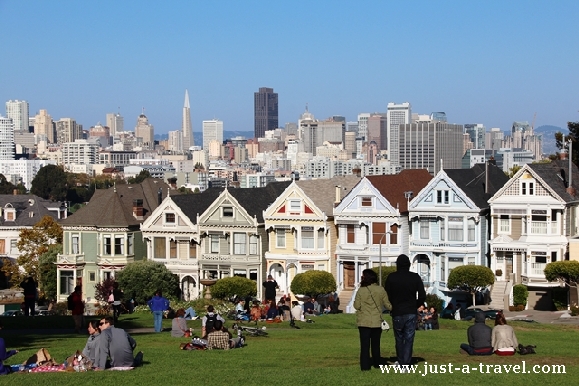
[(175, 141), (212, 131), (396, 115), (145, 131), (67, 130), (265, 111), (6, 139), (18, 112), (44, 127), (186, 126), (116, 123)]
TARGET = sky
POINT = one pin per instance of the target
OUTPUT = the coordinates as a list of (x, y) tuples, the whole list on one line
[(490, 62)]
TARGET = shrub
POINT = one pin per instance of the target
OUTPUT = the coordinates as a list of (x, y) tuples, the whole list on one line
[(520, 295), (560, 298), (142, 279), (235, 285), (313, 283), (574, 311), (432, 300), (385, 272)]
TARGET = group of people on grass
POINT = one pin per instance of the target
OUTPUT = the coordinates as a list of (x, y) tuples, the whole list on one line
[(483, 340)]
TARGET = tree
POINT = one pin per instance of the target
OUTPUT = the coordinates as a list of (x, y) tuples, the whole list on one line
[(513, 171), (199, 166), (313, 283), (47, 272), (50, 183), (142, 278), (7, 187), (234, 286), (470, 278), (566, 273), (103, 290), (385, 272), (561, 140), (142, 176), (32, 243)]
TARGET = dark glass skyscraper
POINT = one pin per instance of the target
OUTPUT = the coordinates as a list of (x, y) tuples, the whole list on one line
[(265, 111)]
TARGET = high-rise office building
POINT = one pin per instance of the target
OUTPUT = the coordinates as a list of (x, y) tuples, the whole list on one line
[(145, 131), (476, 132), (176, 141), (430, 145), (67, 130), (116, 123), (397, 114), (6, 139), (44, 127), (363, 125), (377, 130), (186, 126), (265, 111), (18, 112), (212, 131)]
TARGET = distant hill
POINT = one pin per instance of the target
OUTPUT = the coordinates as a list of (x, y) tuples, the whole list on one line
[(548, 132)]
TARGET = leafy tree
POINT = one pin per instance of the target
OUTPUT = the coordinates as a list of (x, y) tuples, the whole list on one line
[(231, 286), (196, 191), (313, 283), (470, 278), (7, 187), (47, 272), (185, 190), (50, 183), (433, 300), (513, 171), (143, 278), (32, 243), (385, 272), (199, 166), (561, 140), (142, 176), (566, 272)]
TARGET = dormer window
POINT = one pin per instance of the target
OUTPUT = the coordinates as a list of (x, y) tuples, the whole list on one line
[(366, 202), (169, 218), (442, 197), (527, 188), (295, 205)]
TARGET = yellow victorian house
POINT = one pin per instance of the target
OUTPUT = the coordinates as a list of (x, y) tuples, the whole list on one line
[(302, 233)]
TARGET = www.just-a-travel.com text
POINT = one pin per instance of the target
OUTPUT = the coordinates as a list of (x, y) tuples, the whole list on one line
[(483, 368)]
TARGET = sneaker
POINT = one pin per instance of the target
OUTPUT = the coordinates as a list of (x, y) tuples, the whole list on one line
[(463, 352), (138, 359)]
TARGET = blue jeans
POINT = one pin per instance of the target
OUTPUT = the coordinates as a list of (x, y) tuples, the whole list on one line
[(404, 329), (158, 318), (190, 313)]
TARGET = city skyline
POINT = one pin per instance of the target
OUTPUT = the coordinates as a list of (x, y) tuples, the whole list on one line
[(492, 63)]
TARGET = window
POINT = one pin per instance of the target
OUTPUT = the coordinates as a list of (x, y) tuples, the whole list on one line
[(350, 234), (378, 230), (119, 245), (527, 188), (172, 249), (9, 215), (455, 229), (239, 240), (471, 260), (159, 247), (366, 202), (394, 234), (214, 243), (442, 230), (321, 239), (308, 237), (540, 259), (227, 211), (553, 256), (169, 218), (192, 250), (295, 205), (107, 247), (92, 276), (442, 196), (504, 224), (471, 230), (442, 269), (74, 244), (253, 244), (424, 229), (66, 282), (280, 238), (130, 245)]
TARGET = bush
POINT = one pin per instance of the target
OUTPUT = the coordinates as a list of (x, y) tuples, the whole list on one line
[(235, 285), (520, 295), (574, 311), (142, 279), (432, 300), (560, 298), (313, 283), (385, 272)]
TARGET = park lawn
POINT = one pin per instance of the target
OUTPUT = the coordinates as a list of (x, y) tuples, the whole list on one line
[(321, 353)]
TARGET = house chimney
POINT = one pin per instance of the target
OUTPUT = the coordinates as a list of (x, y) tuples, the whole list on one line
[(159, 196), (15, 192), (338, 195), (138, 210), (357, 171)]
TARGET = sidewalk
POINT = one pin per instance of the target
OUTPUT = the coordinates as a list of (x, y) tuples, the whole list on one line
[(554, 317)]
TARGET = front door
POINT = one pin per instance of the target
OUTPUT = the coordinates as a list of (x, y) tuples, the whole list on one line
[(349, 275)]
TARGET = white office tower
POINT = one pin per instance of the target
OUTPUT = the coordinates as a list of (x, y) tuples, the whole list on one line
[(44, 127), (212, 131), (18, 112), (363, 125), (116, 123), (186, 126), (145, 131), (67, 130), (397, 114), (176, 141), (6, 139)]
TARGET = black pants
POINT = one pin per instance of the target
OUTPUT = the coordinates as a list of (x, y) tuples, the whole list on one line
[(30, 306), (369, 340)]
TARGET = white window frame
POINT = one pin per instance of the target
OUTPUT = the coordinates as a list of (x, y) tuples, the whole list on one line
[(75, 244), (214, 243), (504, 224), (253, 245), (455, 232), (295, 205), (424, 228), (110, 248), (321, 239), (121, 245), (280, 238), (307, 243), (239, 243), (471, 229)]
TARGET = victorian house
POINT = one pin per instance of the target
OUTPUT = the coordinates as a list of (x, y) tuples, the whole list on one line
[(104, 236), (302, 233), (450, 220), (372, 224), (533, 216)]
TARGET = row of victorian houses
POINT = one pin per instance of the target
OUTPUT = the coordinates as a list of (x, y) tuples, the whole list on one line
[(342, 225)]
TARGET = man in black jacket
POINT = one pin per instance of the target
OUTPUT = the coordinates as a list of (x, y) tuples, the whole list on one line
[(406, 293), (479, 337)]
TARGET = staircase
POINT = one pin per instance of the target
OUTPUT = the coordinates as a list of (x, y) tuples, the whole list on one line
[(498, 295), (344, 296)]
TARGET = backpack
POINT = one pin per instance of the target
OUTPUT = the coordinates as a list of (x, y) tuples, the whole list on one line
[(210, 323), (69, 303)]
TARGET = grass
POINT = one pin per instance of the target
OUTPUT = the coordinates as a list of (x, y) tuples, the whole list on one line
[(321, 353)]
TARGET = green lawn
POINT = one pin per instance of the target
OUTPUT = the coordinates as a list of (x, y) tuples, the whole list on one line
[(322, 353)]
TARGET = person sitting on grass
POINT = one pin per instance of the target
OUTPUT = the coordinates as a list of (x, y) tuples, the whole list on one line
[(431, 323), (297, 312), (479, 337), (94, 331), (4, 370), (218, 339), (272, 312), (309, 307), (255, 311), (116, 344), (179, 327), (208, 321), (504, 339)]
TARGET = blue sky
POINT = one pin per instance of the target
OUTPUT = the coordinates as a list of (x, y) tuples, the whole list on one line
[(490, 62)]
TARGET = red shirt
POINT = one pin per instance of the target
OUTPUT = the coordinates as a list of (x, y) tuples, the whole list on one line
[(78, 304)]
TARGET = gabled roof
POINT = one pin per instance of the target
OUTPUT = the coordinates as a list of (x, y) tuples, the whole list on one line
[(393, 186), (195, 204), (323, 191), (556, 175), (113, 207), (29, 209), (473, 182)]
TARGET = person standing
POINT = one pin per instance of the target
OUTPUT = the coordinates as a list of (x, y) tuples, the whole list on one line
[(370, 301), (30, 291), (117, 298), (77, 308), (406, 293), (158, 304), (270, 286)]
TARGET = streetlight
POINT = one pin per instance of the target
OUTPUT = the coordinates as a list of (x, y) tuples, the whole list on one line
[(380, 257)]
